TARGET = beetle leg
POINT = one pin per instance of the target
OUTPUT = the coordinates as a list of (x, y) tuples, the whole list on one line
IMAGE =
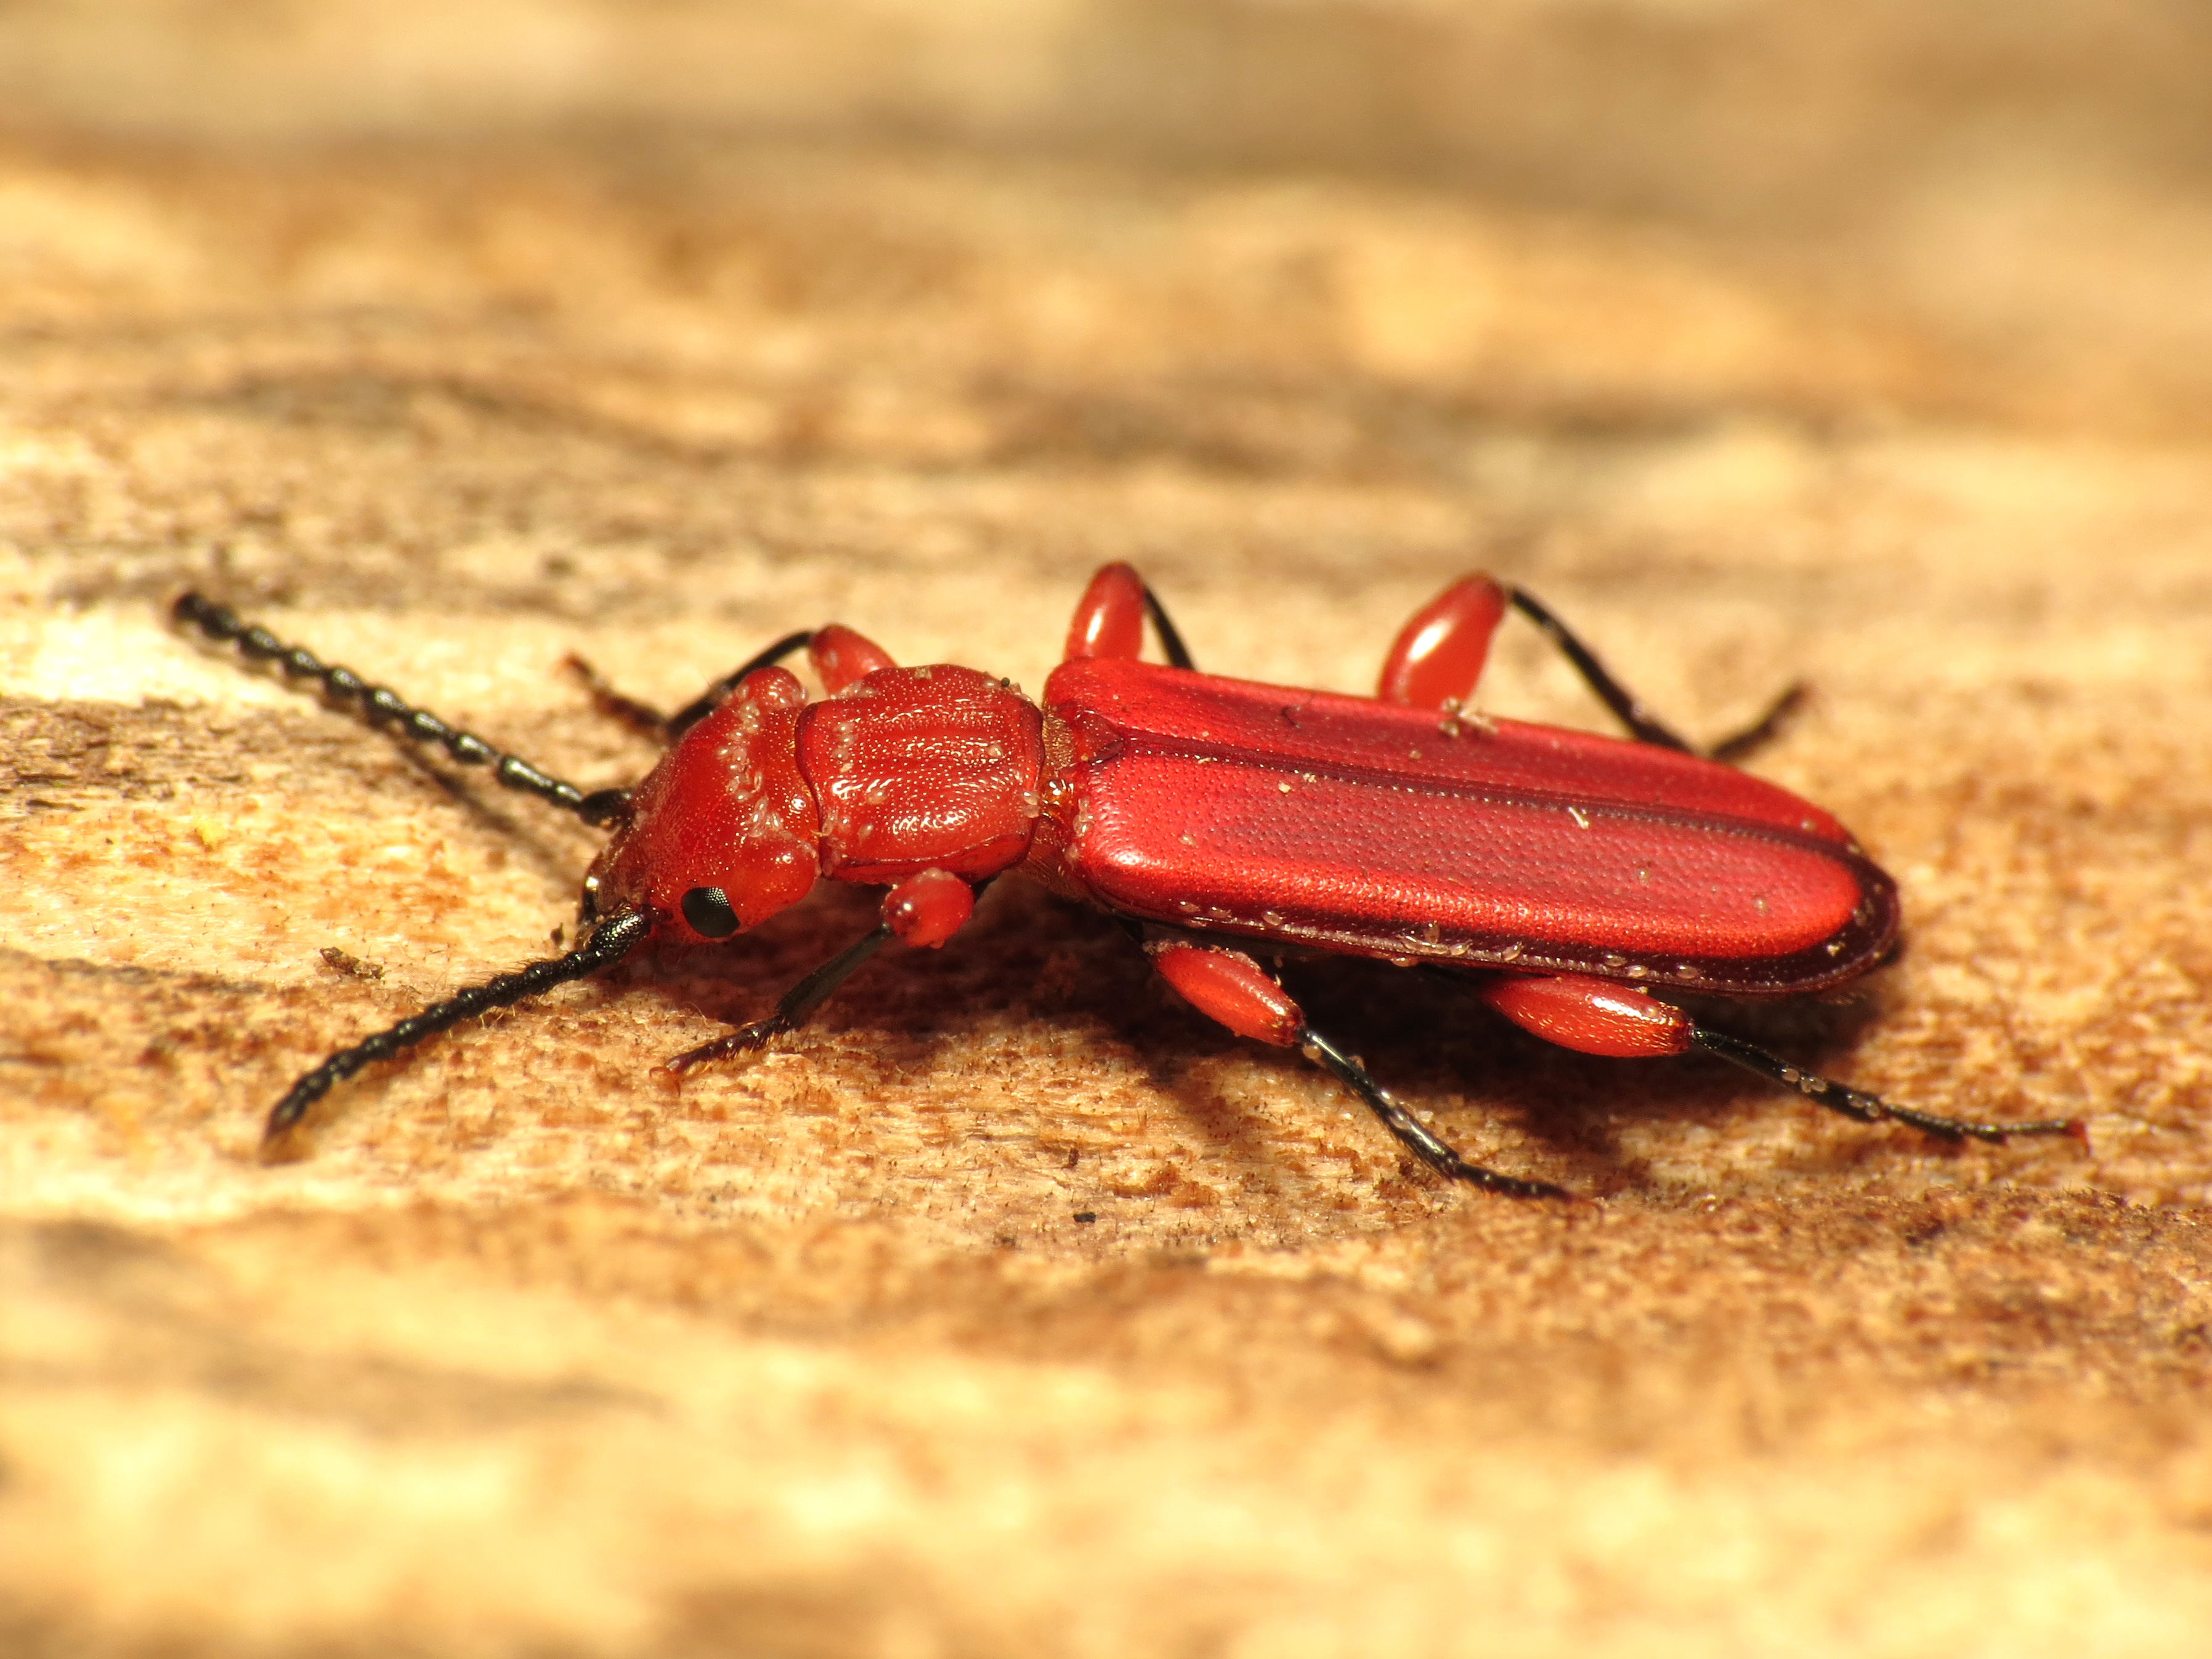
[(1592, 1016), (1438, 657), (1110, 620), (1409, 1129), (1642, 723), (1764, 730), (718, 693), (646, 721), (792, 1011), (1171, 644), (928, 907), (839, 656), (1871, 1108), (1229, 986), (617, 705), (1595, 1016)]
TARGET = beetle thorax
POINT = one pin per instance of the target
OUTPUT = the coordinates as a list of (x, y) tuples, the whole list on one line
[(726, 810), (923, 768)]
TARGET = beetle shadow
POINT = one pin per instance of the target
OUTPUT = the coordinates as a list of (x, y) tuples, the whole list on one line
[(1428, 1041), (557, 851), (1009, 967), (1176, 1047), (1043, 963), (1030, 962)]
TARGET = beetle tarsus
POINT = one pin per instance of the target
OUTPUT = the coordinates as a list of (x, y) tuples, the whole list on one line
[(1409, 1129), (1779, 715), (1871, 1108), (745, 1039), (794, 1010), (610, 942)]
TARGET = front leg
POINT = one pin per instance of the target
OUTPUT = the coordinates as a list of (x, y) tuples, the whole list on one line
[(925, 909), (839, 656)]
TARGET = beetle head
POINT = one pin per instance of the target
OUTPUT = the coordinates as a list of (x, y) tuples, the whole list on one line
[(721, 834)]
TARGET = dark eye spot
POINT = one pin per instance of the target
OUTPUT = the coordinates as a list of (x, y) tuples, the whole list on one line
[(707, 909)]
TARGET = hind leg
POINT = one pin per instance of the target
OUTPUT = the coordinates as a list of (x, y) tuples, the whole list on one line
[(1438, 657)]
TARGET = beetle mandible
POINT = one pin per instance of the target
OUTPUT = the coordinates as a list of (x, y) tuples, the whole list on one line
[(1565, 876)]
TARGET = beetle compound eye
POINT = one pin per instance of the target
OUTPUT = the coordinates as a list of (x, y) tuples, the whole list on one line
[(707, 909)]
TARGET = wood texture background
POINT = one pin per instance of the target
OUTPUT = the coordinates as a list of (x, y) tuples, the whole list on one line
[(1762, 343)]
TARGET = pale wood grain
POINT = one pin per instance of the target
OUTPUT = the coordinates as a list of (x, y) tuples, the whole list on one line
[(538, 1353)]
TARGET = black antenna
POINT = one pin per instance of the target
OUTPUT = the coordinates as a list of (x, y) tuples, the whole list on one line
[(609, 943), (379, 705)]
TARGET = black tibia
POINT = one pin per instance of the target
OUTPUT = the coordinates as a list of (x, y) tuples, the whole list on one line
[(1171, 644), (379, 705), (609, 943), (1409, 1129), (1866, 1108), (1642, 723), (793, 1011), (718, 693), (1639, 720)]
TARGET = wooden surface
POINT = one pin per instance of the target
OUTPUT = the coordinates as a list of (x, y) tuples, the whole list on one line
[(540, 1353)]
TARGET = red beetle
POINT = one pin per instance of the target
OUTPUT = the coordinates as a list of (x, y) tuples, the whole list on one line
[(1565, 876)]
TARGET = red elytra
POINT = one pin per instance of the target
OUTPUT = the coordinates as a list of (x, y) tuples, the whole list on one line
[(1565, 876)]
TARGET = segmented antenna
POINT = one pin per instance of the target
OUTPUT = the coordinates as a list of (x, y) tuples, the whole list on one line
[(610, 942), (379, 705)]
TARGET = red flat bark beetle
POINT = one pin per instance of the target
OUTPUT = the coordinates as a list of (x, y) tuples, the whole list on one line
[(1565, 876)]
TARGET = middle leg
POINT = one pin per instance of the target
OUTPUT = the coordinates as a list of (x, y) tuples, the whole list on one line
[(1230, 987)]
